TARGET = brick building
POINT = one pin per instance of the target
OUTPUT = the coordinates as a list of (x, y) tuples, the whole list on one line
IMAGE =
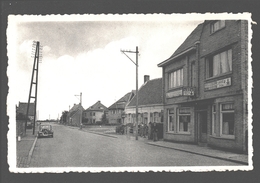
[(150, 104), (116, 113), (74, 116), (205, 86)]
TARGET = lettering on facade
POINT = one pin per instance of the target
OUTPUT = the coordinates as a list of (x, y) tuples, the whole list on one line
[(175, 93), (188, 91), (218, 84)]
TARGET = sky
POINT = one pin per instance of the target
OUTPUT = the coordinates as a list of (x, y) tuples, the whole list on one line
[(81, 54)]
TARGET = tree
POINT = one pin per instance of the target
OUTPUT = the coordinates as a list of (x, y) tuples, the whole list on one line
[(64, 116), (104, 119)]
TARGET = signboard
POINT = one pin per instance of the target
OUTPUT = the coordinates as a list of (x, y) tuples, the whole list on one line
[(175, 93), (218, 84), (188, 91)]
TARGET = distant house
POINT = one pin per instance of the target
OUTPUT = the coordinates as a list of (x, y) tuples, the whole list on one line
[(150, 103), (22, 109), (94, 113), (74, 114), (116, 111)]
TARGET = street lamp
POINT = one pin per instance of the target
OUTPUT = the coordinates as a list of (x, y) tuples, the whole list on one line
[(136, 64)]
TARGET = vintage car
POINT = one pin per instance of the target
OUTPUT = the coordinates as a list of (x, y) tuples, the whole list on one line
[(45, 130)]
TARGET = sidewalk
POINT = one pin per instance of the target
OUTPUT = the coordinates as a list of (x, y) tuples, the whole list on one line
[(24, 149), (204, 151)]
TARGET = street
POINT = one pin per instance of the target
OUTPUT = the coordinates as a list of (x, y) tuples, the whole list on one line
[(72, 147)]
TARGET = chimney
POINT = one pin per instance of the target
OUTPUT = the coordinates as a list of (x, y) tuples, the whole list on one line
[(146, 78)]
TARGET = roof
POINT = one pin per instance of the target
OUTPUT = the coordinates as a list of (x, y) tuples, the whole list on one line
[(98, 106), (22, 108), (150, 93), (187, 45), (75, 109), (122, 102)]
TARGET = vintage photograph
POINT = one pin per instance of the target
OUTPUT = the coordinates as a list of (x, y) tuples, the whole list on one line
[(132, 92)]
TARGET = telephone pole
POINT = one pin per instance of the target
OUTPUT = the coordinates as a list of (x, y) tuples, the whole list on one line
[(80, 104), (136, 64), (34, 82)]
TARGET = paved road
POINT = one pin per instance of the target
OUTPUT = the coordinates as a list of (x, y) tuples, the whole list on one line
[(77, 148)]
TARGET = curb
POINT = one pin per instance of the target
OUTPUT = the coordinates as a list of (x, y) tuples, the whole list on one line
[(100, 134), (207, 155), (31, 151)]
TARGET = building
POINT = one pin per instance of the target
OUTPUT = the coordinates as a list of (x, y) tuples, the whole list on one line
[(95, 113), (74, 116), (116, 114), (22, 109), (205, 86), (150, 104)]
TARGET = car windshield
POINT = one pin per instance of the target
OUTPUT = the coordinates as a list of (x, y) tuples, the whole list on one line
[(45, 127)]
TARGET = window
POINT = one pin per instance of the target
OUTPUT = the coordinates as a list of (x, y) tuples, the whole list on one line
[(93, 114), (213, 122), (217, 25), (176, 78), (192, 82), (171, 120), (227, 119), (151, 117), (156, 117), (184, 120), (219, 64)]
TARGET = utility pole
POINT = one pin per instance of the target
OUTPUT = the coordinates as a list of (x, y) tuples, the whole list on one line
[(80, 104), (34, 82), (136, 64)]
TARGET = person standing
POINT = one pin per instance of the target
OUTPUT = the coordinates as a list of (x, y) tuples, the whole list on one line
[(155, 130), (150, 130)]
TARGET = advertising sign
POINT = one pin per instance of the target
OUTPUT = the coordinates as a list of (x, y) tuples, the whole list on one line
[(188, 91), (218, 84), (175, 93)]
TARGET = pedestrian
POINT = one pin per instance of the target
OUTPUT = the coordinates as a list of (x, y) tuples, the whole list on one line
[(150, 130), (155, 130), (145, 130), (142, 129)]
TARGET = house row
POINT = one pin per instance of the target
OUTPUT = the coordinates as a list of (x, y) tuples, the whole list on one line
[(202, 97)]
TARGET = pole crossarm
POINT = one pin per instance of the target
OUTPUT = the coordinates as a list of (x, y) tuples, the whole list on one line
[(123, 51)]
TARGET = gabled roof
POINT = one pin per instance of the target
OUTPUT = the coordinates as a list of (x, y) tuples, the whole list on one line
[(75, 109), (22, 108), (122, 102), (150, 93), (98, 106), (187, 45)]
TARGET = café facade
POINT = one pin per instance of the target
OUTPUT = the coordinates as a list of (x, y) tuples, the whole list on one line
[(205, 88)]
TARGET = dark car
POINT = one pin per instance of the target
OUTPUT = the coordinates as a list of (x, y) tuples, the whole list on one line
[(45, 130), (120, 129)]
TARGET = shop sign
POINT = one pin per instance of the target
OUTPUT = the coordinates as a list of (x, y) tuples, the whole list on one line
[(175, 93), (188, 91), (218, 84)]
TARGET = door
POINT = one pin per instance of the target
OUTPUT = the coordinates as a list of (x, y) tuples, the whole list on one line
[(202, 126)]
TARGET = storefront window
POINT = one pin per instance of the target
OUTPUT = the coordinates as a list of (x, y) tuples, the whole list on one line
[(171, 120), (227, 119), (156, 117), (213, 120), (184, 120)]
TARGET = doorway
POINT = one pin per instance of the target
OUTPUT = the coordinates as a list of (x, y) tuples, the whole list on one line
[(202, 126)]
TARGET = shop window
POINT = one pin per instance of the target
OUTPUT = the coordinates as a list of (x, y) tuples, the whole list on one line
[(156, 117), (176, 78), (227, 119), (184, 120), (217, 25), (171, 123), (219, 64), (213, 122)]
